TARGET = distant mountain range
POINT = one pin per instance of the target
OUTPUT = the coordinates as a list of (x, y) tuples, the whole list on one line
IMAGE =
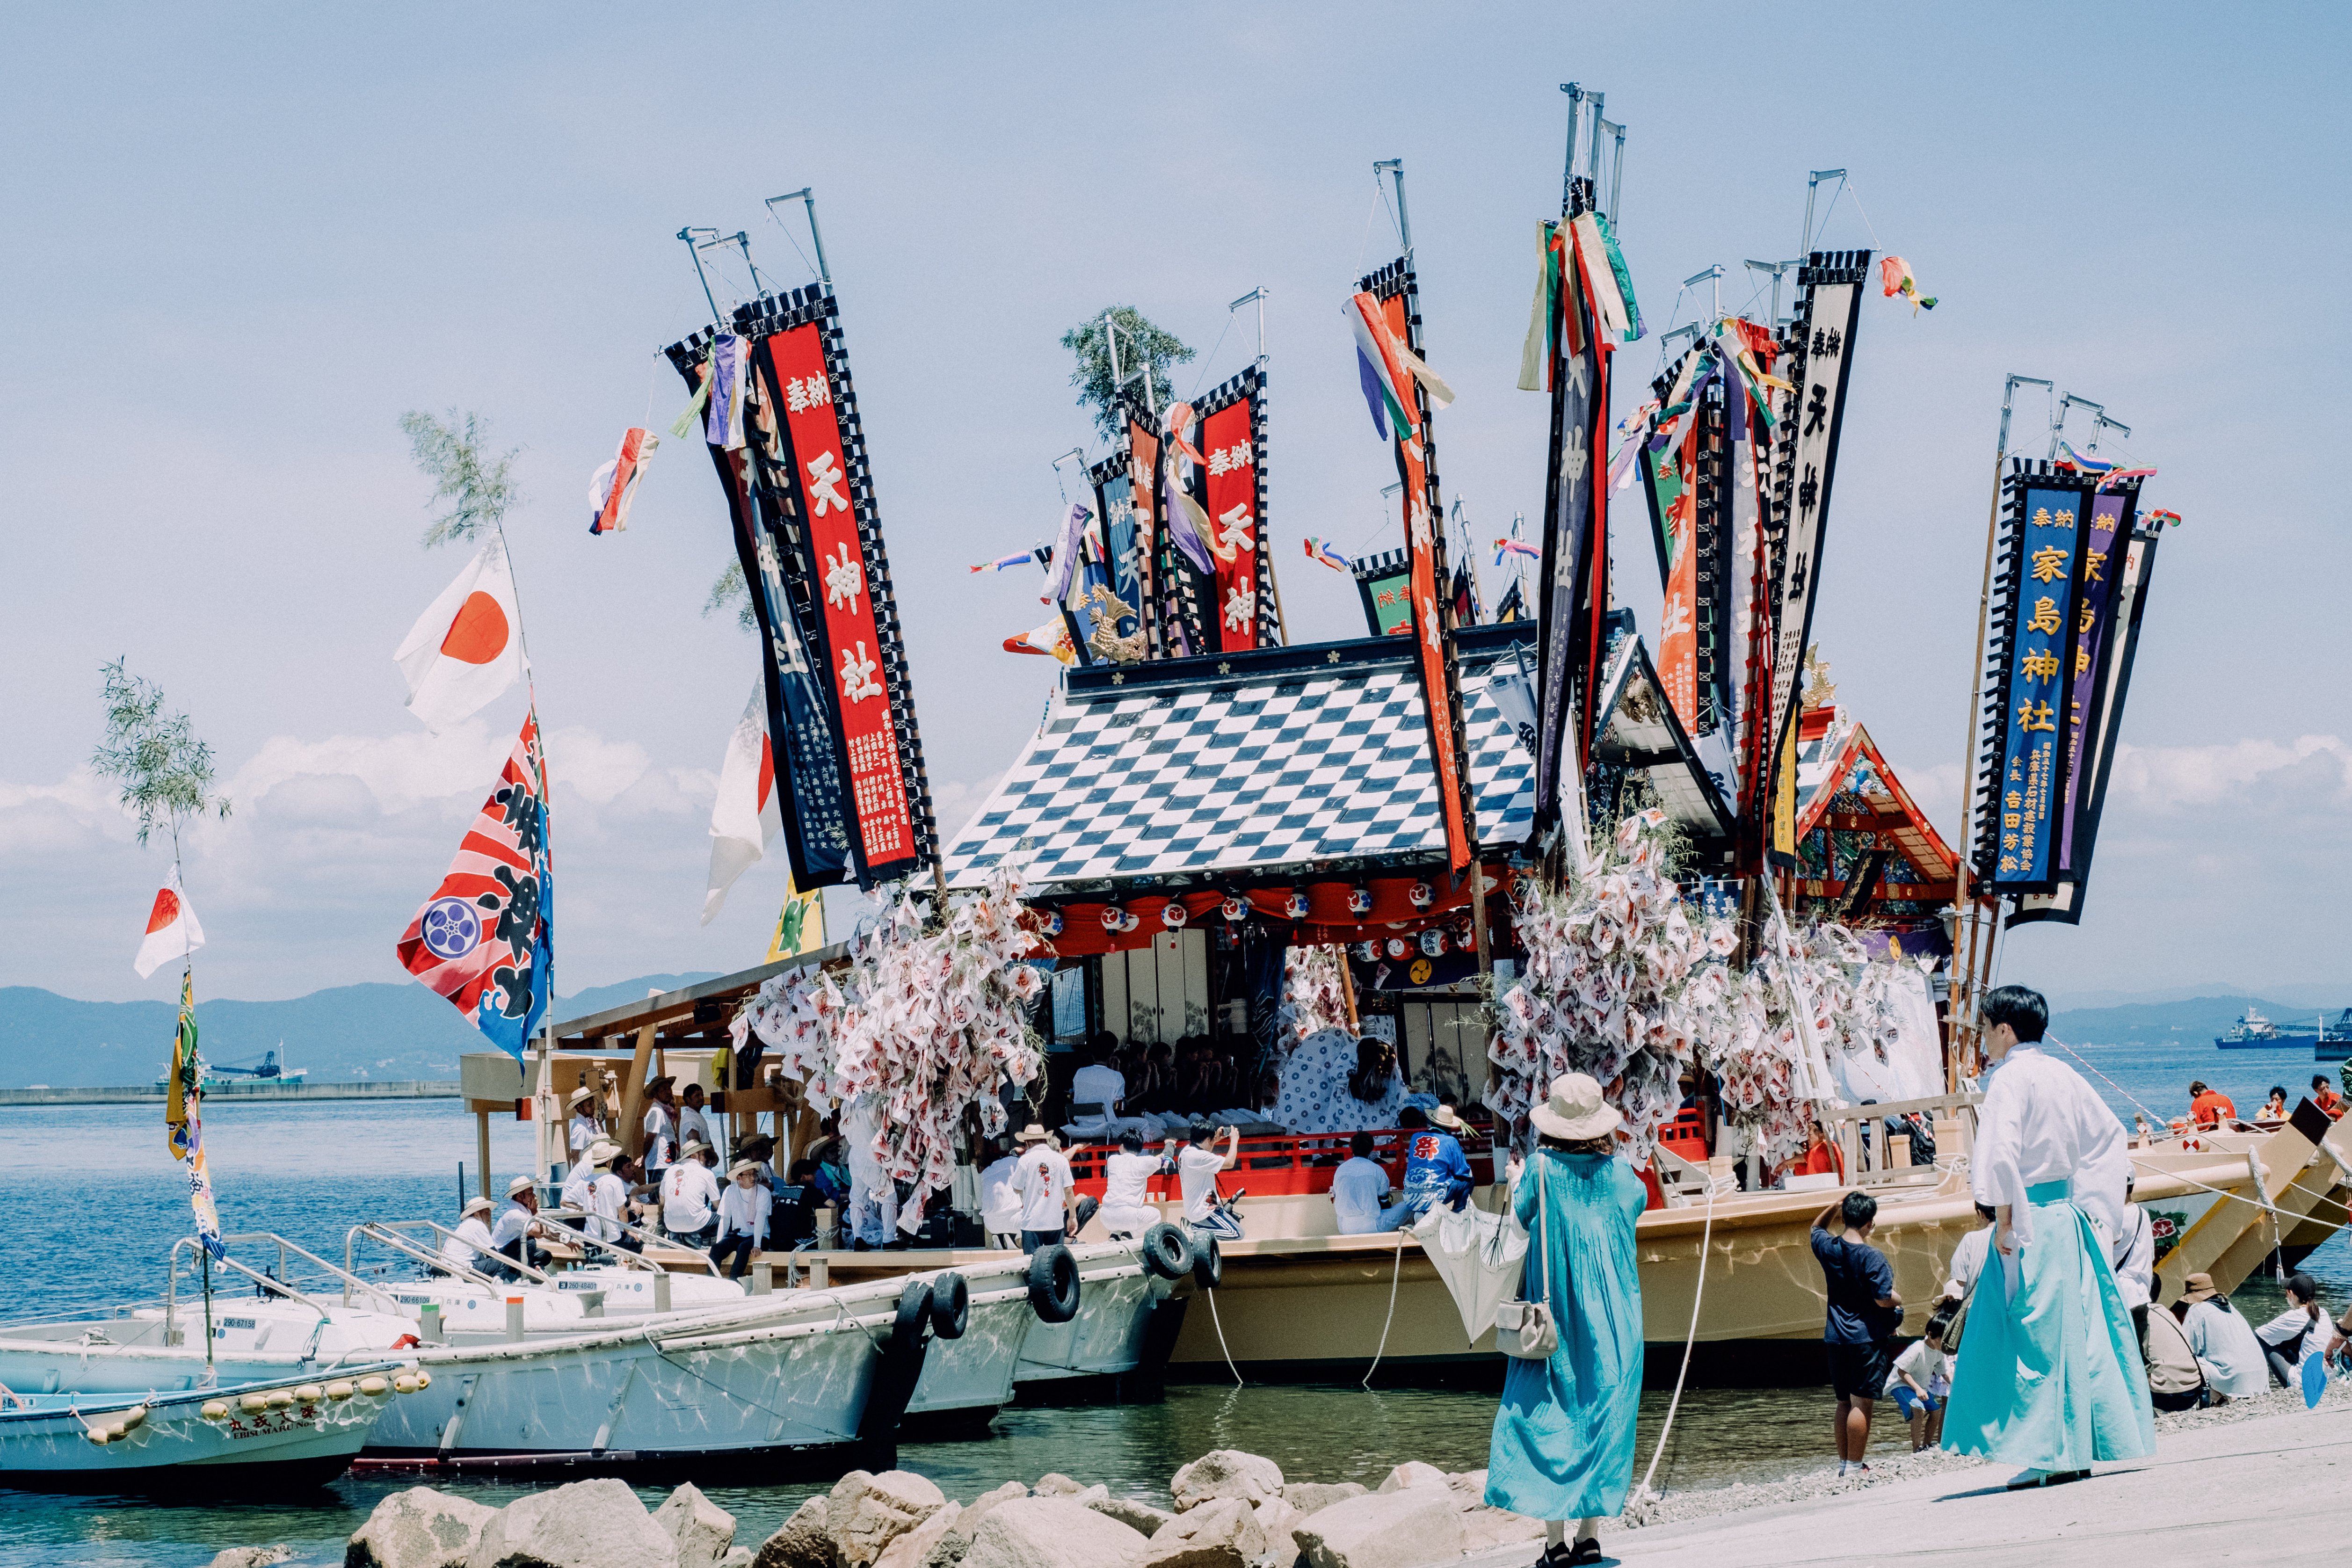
[(341, 1034), (2195, 1019)]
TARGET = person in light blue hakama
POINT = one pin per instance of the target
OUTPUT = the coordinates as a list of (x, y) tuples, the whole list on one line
[(1563, 1444), (2050, 1375)]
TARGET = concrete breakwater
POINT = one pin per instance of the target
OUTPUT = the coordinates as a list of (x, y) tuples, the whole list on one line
[(127, 1094)]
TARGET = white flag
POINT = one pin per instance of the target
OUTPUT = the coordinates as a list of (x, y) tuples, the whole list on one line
[(171, 929), (467, 647), (745, 815)]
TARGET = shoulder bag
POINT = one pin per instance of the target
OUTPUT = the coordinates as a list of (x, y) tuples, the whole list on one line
[(1525, 1329)]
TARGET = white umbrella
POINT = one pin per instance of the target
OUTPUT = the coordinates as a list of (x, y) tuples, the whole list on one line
[(1479, 1255)]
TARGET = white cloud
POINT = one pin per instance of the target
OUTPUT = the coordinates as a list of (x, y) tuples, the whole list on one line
[(955, 804), (2306, 770)]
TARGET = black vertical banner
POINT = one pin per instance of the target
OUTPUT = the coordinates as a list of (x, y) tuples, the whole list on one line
[(773, 553), (1573, 594)]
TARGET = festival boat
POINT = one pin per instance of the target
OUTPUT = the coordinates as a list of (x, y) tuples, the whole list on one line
[(269, 1437)]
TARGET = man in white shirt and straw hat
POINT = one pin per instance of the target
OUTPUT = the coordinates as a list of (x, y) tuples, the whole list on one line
[(690, 1196), (471, 1243), (742, 1217), (582, 1131)]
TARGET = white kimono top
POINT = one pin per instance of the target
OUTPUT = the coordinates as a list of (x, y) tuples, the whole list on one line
[(2041, 1123)]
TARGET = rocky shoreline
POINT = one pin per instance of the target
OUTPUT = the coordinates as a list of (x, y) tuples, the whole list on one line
[(1232, 1510)]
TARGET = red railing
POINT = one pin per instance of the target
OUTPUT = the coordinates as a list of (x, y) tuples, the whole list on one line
[(1276, 1164)]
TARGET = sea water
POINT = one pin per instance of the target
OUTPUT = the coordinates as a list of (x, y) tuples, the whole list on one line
[(90, 1203)]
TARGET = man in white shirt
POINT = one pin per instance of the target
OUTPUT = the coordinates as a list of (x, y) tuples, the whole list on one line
[(694, 1120), (468, 1248), (2135, 1260), (1000, 1206), (1126, 1206), (1967, 1258), (2228, 1351), (1042, 1180), (1357, 1188), (742, 1217), (660, 1126), (2048, 1322), (689, 1197), (517, 1223), (582, 1132), (608, 1204), (1101, 1085), (1197, 1166)]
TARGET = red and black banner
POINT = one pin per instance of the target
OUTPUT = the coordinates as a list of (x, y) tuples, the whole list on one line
[(1398, 292), (1233, 493), (812, 473)]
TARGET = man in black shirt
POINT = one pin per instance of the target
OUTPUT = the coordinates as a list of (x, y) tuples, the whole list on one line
[(1863, 1314)]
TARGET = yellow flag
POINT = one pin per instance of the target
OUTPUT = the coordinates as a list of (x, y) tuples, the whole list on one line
[(800, 925)]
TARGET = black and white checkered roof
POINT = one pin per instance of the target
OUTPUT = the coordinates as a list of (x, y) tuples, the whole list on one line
[(1249, 766)]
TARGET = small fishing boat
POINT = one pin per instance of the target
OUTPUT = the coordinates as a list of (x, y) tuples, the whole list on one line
[(270, 1434)]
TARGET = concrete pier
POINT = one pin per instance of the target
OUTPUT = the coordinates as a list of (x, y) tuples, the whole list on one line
[(2272, 1490), (390, 1088)]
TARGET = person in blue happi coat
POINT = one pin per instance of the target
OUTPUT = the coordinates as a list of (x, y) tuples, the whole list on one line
[(1435, 1170)]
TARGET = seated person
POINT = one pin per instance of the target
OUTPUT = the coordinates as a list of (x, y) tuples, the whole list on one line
[(1357, 1188), (1435, 1170), (1098, 1098), (792, 1221)]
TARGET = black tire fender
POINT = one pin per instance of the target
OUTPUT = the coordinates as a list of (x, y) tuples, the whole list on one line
[(1053, 1284), (1167, 1255), (914, 1312), (1208, 1263), (950, 1306)]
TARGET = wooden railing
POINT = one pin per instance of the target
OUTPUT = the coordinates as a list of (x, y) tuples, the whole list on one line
[(1285, 1164)]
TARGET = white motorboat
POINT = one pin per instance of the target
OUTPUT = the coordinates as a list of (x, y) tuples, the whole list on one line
[(270, 1434)]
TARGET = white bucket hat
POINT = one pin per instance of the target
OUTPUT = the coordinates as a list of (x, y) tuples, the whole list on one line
[(1575, 1111)]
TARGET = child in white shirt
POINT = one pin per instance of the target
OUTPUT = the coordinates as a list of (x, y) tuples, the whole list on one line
[(1922, 1382)]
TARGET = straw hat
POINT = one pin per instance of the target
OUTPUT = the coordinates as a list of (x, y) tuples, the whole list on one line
[(602, 1152), (2199, 1288), (664, 1082), (583, 1092), (1032, 1134), (1443, 1116), (474, 1206), (519, 1186), (692, 1147), (743, 1168), (1575, 1111)]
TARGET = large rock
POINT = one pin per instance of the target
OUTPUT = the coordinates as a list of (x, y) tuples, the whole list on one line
[(956, 1538), (1483, 1527), (1221, 1533), (1469, 1487), (1052, 1483), (802, 1541), (419, 1527), (1225, 1473), (704, 1531), (1275, 1518), (1408, 1529), (1051, 1532), (1413, 1473), (1312, 1497), (252, 1557), (1136, 1516), (914, 1549), (737, 1557), (587, 1524), (864, 1513)]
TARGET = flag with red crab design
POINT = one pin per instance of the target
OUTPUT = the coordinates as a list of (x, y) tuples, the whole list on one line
[(486, 939)]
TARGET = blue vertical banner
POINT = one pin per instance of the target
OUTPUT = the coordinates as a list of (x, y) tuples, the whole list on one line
[(2030, 682)]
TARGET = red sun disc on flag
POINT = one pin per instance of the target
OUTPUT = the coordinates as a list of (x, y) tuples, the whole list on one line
[(478, 633), (166, 909), (767, 771)]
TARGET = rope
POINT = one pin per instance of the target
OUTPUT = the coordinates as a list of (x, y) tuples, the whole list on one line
[(1221, 1339), (1690, 1342), (1395, 1274)]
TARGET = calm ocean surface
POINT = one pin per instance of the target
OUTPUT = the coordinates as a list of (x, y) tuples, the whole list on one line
[(90, 1202)]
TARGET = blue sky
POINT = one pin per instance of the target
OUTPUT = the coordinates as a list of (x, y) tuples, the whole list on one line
[(242, 243)]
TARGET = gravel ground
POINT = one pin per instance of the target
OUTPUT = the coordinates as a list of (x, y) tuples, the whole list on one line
[(1826, 1482)]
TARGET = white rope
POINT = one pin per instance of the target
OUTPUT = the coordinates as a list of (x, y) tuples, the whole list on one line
[(1220, 1337), (1706, 1234), (1394, 1275)]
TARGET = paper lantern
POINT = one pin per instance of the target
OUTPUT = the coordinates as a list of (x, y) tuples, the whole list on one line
[(1294, 906), (1052, 923), (1359, 901), (1114, 918), (1432, 942), (1421, 894), (1172, 914), (1234, 908), (1398, 947)]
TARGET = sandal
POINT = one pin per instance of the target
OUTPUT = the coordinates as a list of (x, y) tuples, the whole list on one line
[(1560, 1556), (1586, 1549)]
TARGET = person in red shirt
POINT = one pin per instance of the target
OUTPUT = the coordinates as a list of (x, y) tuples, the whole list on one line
[(2210, 1107), (2324, 1095)]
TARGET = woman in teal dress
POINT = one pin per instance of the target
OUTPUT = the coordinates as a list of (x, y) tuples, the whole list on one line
[(1563, 1445)]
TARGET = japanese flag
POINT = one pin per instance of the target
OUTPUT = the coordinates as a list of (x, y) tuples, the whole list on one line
[(746, 815), (172, 930), (467, 647)]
